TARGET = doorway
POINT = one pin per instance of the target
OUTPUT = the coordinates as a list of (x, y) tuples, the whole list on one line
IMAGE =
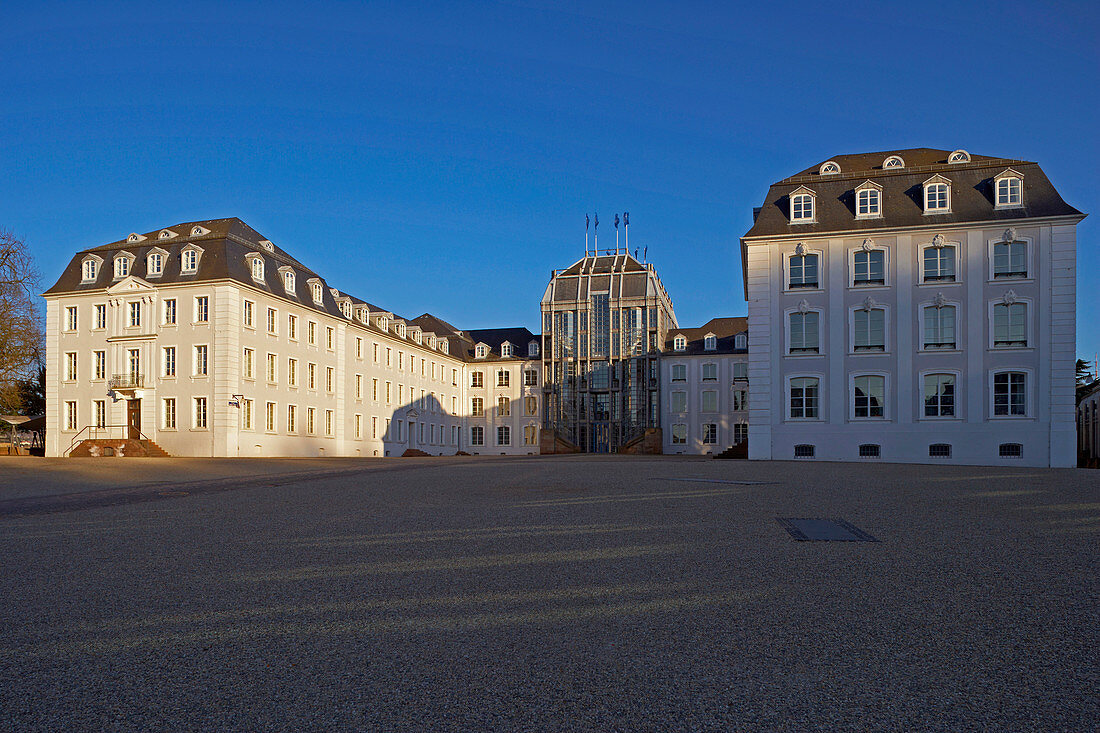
[(133, 419)]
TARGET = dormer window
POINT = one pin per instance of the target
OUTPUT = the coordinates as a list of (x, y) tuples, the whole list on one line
[(267, 245), (197, 231), (829, 167), (959, 156), (89, 270), (189, 259), (256, 266), (679, 343), (345, 308), (400, 329), (710, 342), (444, 346), (429, 341), (134, 237), (122, 264), (869, 200), (166, 234), (383, 322), (154, 262), (481, 351), (317, 291), (937, 195), (741, 341), (894, 161), (288, 280), (533, 349), (506, 349), (1010, 189), (417, 336), (802, 206)]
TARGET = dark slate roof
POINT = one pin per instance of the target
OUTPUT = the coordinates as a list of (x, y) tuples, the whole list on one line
[(496, 337), (224, 248), (573, 283), (724, 328), (972, 195)]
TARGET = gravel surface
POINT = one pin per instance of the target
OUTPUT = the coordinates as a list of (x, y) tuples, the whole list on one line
[(566, 593)]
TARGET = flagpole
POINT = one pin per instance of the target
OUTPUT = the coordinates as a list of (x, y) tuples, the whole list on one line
[(626, 230)]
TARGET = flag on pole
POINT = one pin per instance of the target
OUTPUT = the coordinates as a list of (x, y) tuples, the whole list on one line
[(587, 221), (626, 218), (616, 222), (597, 224)]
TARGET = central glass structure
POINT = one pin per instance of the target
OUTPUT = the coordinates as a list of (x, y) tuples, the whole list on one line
[(604, 322)]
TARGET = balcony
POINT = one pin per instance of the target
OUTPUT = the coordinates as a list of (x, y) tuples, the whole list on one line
[(123, 382)]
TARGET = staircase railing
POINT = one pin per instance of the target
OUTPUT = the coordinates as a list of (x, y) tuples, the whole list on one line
[(93, 434)]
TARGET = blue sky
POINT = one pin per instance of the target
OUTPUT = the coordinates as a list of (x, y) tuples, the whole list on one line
[(441, 156)]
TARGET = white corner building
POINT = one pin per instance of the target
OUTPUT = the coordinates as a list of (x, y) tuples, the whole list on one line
[(913, 306)]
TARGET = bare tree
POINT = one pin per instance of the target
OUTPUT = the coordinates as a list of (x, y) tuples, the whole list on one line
[(21, 335)]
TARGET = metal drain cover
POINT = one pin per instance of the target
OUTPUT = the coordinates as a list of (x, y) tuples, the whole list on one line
[(824, 530)]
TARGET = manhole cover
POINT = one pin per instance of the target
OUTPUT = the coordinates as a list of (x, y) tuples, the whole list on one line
[(824, 530)]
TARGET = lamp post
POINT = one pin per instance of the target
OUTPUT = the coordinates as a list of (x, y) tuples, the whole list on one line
[(236, 402)]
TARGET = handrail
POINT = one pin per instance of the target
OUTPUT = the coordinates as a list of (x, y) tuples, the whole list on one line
[(94, 429)]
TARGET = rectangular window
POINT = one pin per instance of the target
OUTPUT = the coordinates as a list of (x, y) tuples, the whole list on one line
[(292, 327), (939, 395), (870, 450), (374, 427), (805, 338), (504, 407), (740, 370), (70, 366), (358, 348), (272, 368), (246, 414), (330, 379), (804, 451), (292, 372), (1010, 325), (202, 309), (249, 364), (710, 401), (99, 364), (269, 417), (292, 418), (740, 400), (70, 415), (935, 197), (530, 378), (168, 413), (503, 377), (867, 203), (679, 373), (678, 402), (101, 314), (804, 398), (710, 372), (199, 416), (135, 365), (939, 264), (477, 407), (477, 435), (1010, 394), (358, 386), (740, 433), (388, 393), (311, 333), (272, 321), (530, 405), (358, 427), (247, 317), (70, 318), (504, 435), (802, 208), (869, 394), (330, 338), (389, 356), (311, 376), (939, 327), (710, 433), (939, 450), (135, 315), (100, 411), (679, 434), (870, 267), (1010, 260), (1009, 192), (311, 415), (202, 364), (477, 379), (804, 271), (169, 312), (530, 435), (328, 422), (870, 330), (374, 389)]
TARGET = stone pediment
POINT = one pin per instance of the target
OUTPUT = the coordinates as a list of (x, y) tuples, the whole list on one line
[(130, 285)]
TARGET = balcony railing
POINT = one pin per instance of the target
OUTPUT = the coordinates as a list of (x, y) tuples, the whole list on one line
[(126, 381)]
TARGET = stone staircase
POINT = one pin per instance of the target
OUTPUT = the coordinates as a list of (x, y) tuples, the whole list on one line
[(117, 448), (741, 450)]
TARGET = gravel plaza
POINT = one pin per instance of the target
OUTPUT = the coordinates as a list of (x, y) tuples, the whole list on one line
[(585, 592)]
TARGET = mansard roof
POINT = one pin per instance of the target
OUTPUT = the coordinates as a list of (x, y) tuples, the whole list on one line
[(725, 329), (972, 193)]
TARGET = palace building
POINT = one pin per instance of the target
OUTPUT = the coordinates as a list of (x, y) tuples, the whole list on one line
[(915, 306), (208, 340)]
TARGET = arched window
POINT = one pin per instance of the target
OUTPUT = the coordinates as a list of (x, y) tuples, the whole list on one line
[(710, 343), (829, 167), (257, 268), (894, 161), (317, 291), (959, 156), (937, 195), (90, 270), (740, 341), (802, 208), (288, 281)]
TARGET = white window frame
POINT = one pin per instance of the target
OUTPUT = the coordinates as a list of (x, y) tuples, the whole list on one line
[(1029, 244), (248, 314), (196, 424), (991, 309), (820, 333), (158, 257), (671, 402), (197, 311), (672, 372), (1029, 393), (679, 343), (788, 256), (887, 280), (1007, 176), (803, 193), (684, 439), (741, 341), (288, 279), (886, 331), (821, 403), (936, 180), (956, 247), (89, 268), (256, 267), (893, 162), (71, 318), (957, 305), (886, 411), (710, 342), (99, 316), (190, 256), (171, 305), (873, 190), (957, 374)]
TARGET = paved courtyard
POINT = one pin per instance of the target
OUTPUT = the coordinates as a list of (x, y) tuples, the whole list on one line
[(567, 593)]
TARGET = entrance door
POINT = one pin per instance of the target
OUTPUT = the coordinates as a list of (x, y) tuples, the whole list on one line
[(133, 419), (412, 434)]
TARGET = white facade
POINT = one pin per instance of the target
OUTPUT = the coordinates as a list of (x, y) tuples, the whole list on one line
[(856, 363), (703, 414)]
